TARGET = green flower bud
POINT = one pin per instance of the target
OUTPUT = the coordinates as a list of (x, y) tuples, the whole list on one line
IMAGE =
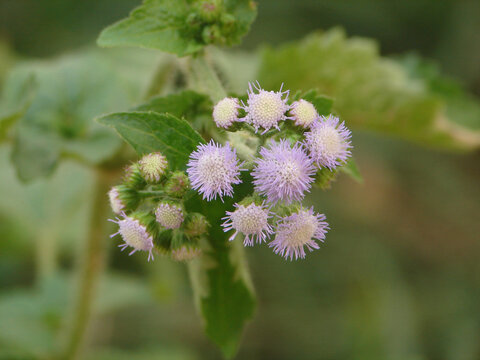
[(196, 225), (133, 178), (123, 198), (183, 249), (177, 185), (153, 166)]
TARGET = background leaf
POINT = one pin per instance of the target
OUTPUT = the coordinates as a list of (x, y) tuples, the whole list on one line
[(150, 131), (56, 119), (370, 92)]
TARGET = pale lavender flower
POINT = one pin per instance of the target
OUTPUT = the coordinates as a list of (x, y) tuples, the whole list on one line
[(169, 215), (283, 173), (134, 234), (297, 231), (115, 202), (225, 113), (213, 169), (328, 142), (303, 113), (267, 108), (251, 220)]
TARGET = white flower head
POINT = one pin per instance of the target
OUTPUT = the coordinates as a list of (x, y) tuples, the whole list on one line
[(303, 113), (265, 108), (225, 113)]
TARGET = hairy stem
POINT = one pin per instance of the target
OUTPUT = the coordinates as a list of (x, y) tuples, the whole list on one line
[(202, 77), (90, 266)]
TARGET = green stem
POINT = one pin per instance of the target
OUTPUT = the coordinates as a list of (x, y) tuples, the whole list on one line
[(90, 267), (204, 79)]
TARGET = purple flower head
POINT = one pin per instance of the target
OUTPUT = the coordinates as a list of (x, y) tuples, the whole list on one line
[(265, 109), (213, 169), (251, 220), (169, 216), (116, 203), (328, 142), (304, 113), (225, 113), (283, 173), (134, 234), (297, 231)]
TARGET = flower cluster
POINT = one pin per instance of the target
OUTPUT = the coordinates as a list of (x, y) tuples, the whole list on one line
[(152, 215), (285, 146), (291, 157)]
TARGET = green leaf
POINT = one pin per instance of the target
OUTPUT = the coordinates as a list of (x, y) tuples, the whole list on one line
[(220, 279), (186, 104), (15, 101), (56, 119), (351, 168), (370, 91), (181, 27), (150, 131)]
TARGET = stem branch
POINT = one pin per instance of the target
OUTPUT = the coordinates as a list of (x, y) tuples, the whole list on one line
[(90, 267)]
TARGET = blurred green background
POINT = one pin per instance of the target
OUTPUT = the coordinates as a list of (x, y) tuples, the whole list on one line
[(399, 277)]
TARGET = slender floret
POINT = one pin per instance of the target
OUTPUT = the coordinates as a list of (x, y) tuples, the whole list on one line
[(283, 173), (303, 113), (115, 202), (297, 231), (225, 113), (328, 142), (265, 108), (251, 220), (169, 215), (153, 166), (213, 169), (135, 234)]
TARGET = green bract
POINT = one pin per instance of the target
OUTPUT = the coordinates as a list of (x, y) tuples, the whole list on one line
[(182, 27)]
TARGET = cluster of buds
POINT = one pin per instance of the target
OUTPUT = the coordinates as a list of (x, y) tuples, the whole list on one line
[(296, 145), (151, 212)]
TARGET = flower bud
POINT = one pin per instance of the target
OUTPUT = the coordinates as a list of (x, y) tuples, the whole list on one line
[(182, 248), (177, 185), (196, 225), (133, 178), (153, 166), (123, 198), (169, 215)]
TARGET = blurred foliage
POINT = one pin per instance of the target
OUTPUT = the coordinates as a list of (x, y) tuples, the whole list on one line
[(67, 93), (370, 91), (399, 275)]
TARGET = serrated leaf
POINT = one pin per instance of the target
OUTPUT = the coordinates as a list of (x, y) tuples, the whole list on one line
[(181, 27), (220, 278), (370, 91), (150, 131), (186, 104)]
